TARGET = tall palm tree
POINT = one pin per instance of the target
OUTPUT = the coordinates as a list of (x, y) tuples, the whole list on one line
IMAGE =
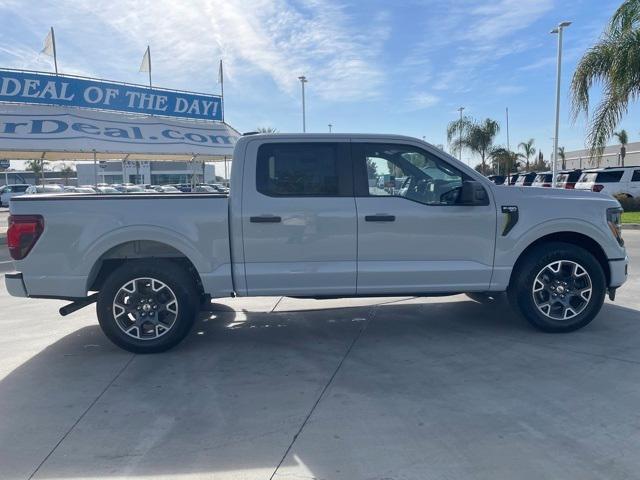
[(476, 136), (529, 149), (563, 157), (623, 138), (612, 62)]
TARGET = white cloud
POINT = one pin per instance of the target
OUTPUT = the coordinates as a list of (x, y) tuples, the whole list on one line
[(422, 100), (272, 37)]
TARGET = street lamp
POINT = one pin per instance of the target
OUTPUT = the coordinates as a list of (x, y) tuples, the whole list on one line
[(559, 29), (303, 80), (461, 109), (330, 125)]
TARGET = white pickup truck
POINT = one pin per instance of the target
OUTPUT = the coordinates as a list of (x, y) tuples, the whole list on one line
[(319, 216)]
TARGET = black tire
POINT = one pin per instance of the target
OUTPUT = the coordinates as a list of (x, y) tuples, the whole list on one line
[(523, 298), (179, 313)]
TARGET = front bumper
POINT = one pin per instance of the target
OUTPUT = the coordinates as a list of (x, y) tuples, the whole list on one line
[(15, 285), (619, 270)]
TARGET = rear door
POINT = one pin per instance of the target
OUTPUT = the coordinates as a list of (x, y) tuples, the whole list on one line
[(635, 183), (299, 218), (413, 237)]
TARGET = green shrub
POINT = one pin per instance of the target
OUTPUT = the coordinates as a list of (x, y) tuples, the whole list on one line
[(629, 204)]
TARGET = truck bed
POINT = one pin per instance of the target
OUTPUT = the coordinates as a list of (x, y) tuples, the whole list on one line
[(83, 233)]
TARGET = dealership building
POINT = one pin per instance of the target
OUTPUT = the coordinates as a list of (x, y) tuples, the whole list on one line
[(152, 172), (610, 157)]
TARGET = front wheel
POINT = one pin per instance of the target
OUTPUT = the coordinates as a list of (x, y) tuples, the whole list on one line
[(558, 287), (147, 306)]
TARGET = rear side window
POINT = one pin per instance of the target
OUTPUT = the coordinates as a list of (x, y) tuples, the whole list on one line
[(609, 177), (588, 177), (304, 169), (636, 176)]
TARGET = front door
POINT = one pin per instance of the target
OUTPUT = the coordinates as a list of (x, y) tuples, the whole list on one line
[(413, 235), (299, 219)]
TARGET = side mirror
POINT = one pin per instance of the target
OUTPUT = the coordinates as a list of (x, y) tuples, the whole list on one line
[(473, 193)]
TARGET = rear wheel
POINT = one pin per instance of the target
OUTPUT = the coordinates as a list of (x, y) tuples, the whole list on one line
[(147, 306), (558, 287)]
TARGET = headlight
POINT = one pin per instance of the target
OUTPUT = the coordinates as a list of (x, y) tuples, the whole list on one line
[(614, 219)]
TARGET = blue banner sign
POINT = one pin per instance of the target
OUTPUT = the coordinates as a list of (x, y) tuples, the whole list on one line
[(44, 88)]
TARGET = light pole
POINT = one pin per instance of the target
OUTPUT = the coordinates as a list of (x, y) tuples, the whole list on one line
[(330, 125), (303, 80), (559, 29), (461, 109)]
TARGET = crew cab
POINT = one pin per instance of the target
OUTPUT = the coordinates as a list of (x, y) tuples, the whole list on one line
[(309, 216)]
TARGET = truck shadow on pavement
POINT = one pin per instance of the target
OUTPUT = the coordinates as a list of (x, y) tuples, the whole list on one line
[(433, 387)]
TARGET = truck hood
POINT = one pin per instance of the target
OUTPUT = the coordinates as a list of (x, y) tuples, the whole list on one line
[(558, 197)]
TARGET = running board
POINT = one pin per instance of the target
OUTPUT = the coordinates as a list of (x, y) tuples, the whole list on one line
[(78, 304)]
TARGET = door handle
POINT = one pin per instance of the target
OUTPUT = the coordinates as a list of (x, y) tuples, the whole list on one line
[(380, 218), (265, 219)]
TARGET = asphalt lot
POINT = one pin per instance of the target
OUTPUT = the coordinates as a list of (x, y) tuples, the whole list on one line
[(440, 388)]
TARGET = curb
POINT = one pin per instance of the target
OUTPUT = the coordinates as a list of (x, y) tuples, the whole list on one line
[(631, 226)]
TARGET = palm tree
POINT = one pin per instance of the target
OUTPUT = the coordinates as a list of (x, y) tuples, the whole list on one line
[(563, 157), (476, 136), (612, 62), (66, 171), (37, 167), (623, 138), (504, 160), (267, 130), (529, 149)]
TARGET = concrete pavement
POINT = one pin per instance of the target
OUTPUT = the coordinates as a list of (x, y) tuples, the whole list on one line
[(440, 388)]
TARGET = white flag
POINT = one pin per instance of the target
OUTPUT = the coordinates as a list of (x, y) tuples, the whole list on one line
[(48, 44), (145, 66), (220, 78)]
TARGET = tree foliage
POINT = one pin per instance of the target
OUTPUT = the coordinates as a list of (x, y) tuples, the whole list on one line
[(476, 136), (614, 63)]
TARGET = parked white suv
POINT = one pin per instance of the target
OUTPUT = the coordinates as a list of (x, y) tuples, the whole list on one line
[(8, 191), (611, 180)]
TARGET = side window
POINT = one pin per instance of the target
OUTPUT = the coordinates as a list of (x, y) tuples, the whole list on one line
[(303, 169), (636, 176), (609, 177), (409, 172)]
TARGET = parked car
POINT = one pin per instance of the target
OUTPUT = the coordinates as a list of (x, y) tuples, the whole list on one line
[(12, 190), (525, 179), (129, 188), (302, 221), (513, 178), (83, 189), (165, 189), (183, 187), (543, 179), (107, 190), (39, 189), (497, 179), (204, 189), (568, 178), (611, 180)]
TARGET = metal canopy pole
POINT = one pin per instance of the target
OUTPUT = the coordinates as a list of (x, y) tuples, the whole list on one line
[(95, 168)]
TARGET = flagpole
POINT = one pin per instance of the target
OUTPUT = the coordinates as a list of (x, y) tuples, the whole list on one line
[(149, 53), (221, 91), (55, 55)]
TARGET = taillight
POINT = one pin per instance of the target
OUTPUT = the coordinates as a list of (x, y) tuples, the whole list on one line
[(23, 233), (546, 185), (570, 186), (597, 188)]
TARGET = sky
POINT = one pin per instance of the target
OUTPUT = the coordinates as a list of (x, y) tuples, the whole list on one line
[(401, 67)]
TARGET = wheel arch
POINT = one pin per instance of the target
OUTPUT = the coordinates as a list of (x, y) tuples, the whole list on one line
[(570, 237), (136, 250)]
